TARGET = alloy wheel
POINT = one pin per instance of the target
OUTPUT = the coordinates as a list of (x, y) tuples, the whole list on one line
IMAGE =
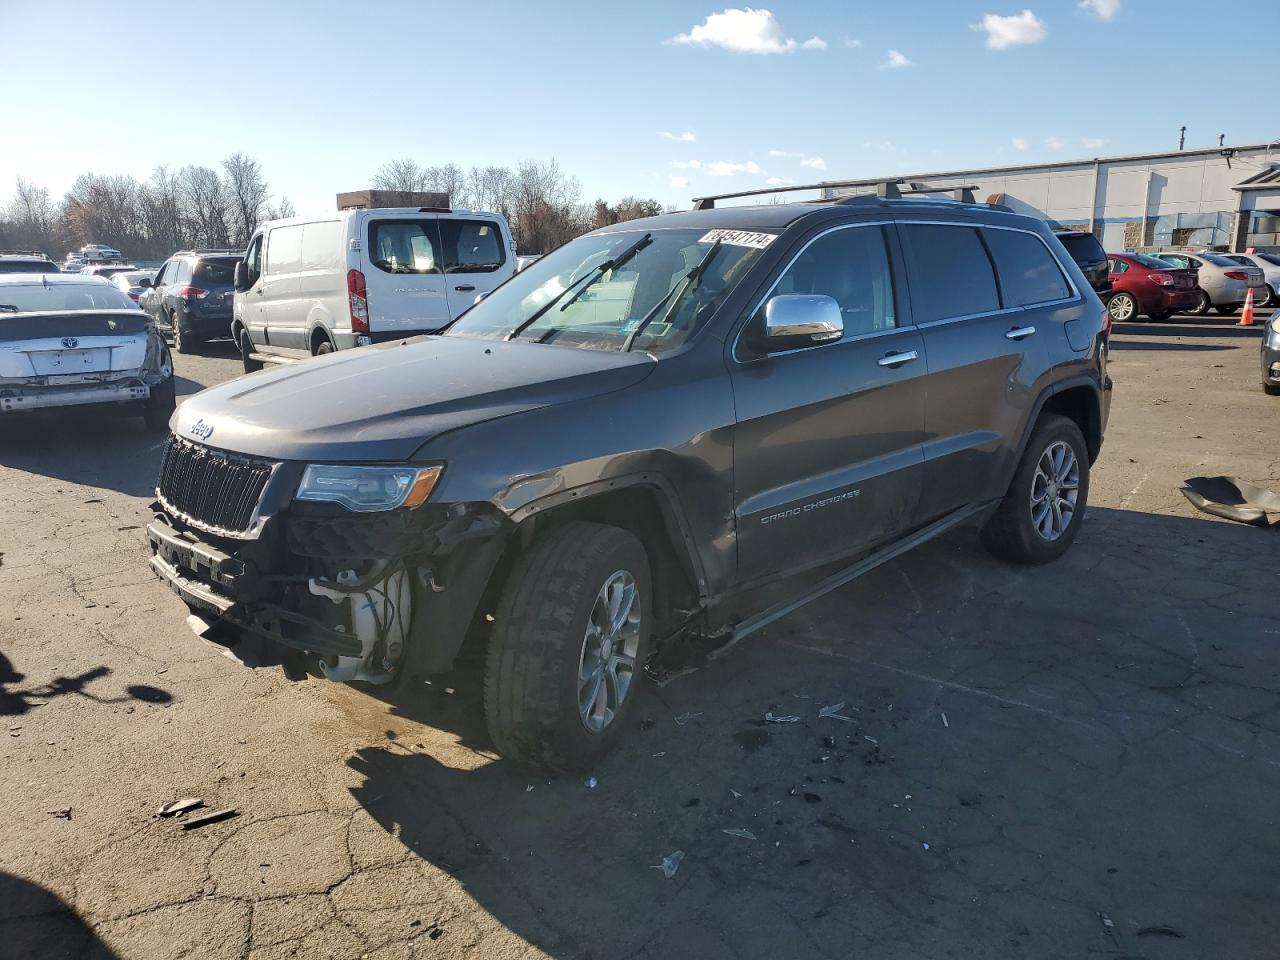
[(1123, 308), (607, 664), (1055, 489)]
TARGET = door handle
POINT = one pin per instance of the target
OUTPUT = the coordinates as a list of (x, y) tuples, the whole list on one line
[(897, 359), (465, 287), (1020, 333)]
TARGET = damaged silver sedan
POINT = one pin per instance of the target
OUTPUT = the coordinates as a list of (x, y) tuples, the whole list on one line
[(70, 340)]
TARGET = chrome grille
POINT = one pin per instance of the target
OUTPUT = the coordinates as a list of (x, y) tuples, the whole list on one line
[(214, 490)]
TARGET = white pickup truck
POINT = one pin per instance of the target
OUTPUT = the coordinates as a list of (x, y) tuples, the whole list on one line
[(72, 340)]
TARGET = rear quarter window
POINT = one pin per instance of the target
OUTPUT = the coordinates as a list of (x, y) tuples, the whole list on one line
[(951, 274), (1028, 273)]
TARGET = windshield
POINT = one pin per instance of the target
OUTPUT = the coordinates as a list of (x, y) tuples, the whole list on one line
[(606, 307), (38, 297), (1216, 260), (1155, 263), (1271, 258), (27, 266)]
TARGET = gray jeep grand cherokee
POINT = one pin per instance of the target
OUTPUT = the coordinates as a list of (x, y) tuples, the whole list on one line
[(594, 470)]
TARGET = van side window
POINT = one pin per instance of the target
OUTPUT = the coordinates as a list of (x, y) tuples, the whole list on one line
[(253, 260), (471, 246), (951, 274), (405, 246), (1028, 272), (284, 250), (852, 267)]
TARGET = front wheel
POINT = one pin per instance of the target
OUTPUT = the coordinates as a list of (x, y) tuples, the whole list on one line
[(246, 353), (1203, 303), (569, 643), (1042, 511), (1123, 307)]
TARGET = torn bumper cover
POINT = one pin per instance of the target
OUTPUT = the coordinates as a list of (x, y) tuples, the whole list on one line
[(89, 387), (365, 595)]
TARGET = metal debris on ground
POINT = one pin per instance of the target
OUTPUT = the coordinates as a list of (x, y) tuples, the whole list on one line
[(871, 740), (685, 718), (925, 845), (836, 712), (1162, 930), (739, 832), (772, 717), (670, 864), (1234, 499), (529, 788), (63, 813), (212, 817), (736, 794), (944, 721), (180, 806), (591, 783)]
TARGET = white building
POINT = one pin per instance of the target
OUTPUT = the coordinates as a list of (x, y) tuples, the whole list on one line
[(1225, 197)]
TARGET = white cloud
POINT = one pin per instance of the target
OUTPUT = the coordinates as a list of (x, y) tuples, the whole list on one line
[(1012, 31), (679, 182), (884, 146), (685, 137), (744, 31), (814, 163), (1019, 143), (723, 168), (686, 164), (895, 58), (1102, 9), (852, 43), (784, 153), (1054, 143), (778, 181), (1093, 143)]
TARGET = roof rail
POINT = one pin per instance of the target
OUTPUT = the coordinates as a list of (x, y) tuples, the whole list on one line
[(885, 190), (202, 251), (24, 253)]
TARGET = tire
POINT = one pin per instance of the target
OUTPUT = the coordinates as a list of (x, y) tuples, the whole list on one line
[(1124, 307), (1159, 316), (1272, 298), (1230, 311), (1012, 532), (245, 343), (540, 639), (323, 347), (159, 407), (1202, 305), (181, 344), (1271, 389)]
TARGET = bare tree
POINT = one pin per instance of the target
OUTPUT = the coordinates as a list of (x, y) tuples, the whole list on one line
[(404, 174), (281, 210), (247, 192), (206, 205), (32, 219)]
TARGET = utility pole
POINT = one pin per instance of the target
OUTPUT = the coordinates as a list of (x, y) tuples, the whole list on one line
[(1182, 137), (1221, 137)]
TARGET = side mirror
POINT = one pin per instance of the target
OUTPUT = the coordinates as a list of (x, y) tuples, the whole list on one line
[(241, 279), (144, 283), (795, 321)]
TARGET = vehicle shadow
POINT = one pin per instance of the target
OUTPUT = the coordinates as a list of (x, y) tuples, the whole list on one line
[(1169, 346), (36, 923), (14, 702), (1094, 715), (1188, 326)]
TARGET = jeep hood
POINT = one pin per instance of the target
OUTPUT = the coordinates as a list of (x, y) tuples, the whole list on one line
[(382, 403)]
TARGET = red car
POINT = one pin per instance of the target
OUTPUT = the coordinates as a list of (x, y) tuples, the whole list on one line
[(1146, 285)]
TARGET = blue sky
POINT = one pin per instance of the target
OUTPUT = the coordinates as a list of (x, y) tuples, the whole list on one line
[(322, 93)]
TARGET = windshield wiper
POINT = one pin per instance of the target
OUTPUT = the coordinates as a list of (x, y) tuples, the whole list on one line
[(684, 286), (583, 282)]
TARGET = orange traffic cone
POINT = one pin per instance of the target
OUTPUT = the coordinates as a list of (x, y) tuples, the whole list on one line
[(1246, 316)]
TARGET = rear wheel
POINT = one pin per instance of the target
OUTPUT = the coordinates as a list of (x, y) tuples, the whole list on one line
[(183, 342), (1042, 511), (569, 642), (1271, 298), (159, 407), (246, 353), (1271, 389), (322, 347), (1230, 311), (1123, 307), (1202, 304)]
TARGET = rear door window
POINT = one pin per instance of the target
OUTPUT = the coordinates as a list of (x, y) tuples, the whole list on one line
[(951, 273), (405, 246), (221, 272), (1028, 273), (471, 246)]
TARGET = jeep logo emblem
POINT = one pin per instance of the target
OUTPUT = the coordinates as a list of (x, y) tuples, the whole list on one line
[(70, 342), (201, 430)]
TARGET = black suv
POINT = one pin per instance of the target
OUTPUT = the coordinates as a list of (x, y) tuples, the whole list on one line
[(1087, 252), (190, 297), (594, 470)]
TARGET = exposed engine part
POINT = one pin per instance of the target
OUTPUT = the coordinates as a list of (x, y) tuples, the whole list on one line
[(381, 611)]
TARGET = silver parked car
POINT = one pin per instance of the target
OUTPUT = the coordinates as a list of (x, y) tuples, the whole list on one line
[(133, 282), (1223, 283), (1271, 356), (1269, 264)]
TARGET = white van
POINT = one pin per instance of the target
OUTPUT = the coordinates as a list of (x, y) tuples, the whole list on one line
[(312, 285)]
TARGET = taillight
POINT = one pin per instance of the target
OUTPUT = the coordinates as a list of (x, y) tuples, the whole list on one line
[(1106, 322), (1236, 275), (198, 292), (359, 298), (1161, 278)]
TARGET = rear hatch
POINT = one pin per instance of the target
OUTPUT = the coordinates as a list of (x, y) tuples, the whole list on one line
[(77, 344), (1089, 256), (216, 275)]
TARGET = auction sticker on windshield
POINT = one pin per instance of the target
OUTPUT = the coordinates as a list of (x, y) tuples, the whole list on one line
[(738, 238)]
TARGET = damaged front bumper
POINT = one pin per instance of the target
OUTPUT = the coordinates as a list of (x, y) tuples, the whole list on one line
[(364, 596)]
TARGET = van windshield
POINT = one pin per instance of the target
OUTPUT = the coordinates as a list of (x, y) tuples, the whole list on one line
[(600, 309)]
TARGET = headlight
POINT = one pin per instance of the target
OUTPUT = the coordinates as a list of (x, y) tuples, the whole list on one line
[(368, 489)]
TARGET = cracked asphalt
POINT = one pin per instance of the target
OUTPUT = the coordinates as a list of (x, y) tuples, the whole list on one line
[(1076, 760)]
